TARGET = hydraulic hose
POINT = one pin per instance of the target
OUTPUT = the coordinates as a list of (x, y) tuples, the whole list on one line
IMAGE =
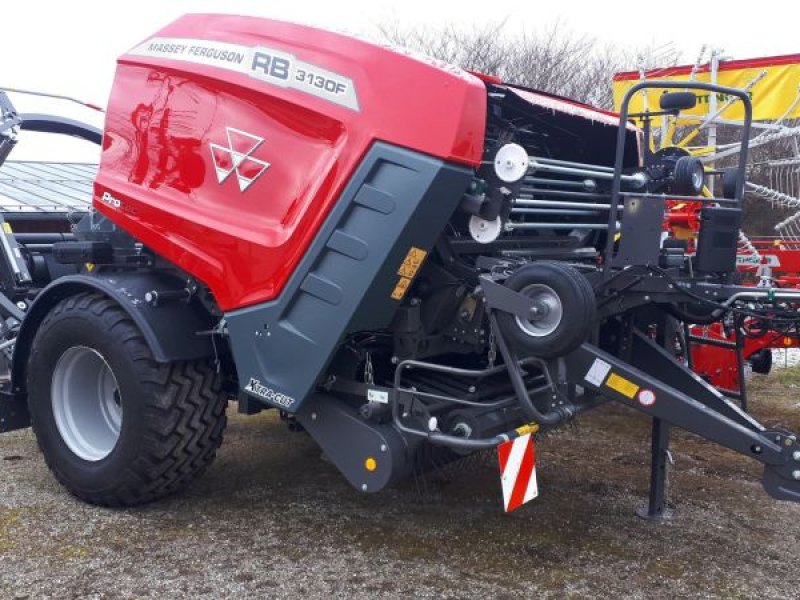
[(552, 417), (687, 317), (451, 441)]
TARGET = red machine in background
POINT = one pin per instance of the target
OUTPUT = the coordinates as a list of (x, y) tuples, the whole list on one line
[(706, 131), (721, 352)]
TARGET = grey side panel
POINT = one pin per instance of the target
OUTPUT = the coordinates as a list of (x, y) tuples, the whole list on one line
[(640, 242), (348, 440), (397, 199)]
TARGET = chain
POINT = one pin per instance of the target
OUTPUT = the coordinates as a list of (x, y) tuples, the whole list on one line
[(492, 354), (369, 376)]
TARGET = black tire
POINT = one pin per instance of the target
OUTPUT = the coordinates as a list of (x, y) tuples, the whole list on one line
[(730, 177), (761, 361), (578, 310), (172, 415), (687, 169)]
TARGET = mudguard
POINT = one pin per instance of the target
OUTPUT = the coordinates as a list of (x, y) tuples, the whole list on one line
[(171, 330)]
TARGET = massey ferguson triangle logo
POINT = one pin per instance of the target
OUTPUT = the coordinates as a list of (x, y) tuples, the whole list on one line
[(237, 157)]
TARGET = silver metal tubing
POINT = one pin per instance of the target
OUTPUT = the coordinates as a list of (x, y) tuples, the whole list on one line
[(564, 183), (567, 163), (586, 171), (525, 202), (769, 293), (54, 96), (564, 193), (674, 197), (552, 211), (514, 225)]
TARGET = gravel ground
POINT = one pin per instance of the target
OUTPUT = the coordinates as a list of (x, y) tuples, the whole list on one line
[(271, 518)]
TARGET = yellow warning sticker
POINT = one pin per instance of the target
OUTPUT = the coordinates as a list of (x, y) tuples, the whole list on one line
[(412, 262), (7, 228), (401, 288), (624, 386)]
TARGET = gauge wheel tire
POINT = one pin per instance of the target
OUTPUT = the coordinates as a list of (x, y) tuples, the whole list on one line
[(568, 296), (688, 177), (117, 428)]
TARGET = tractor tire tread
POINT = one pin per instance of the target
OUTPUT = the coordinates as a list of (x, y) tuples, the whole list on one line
[(184, 411)]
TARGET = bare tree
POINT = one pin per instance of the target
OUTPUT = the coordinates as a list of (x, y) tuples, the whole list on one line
[(553, 60)]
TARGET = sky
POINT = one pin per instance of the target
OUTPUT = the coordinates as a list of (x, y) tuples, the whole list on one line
[(70, 48)]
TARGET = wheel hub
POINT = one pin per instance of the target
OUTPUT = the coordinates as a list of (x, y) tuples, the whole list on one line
[(547, 313), (87, 404)]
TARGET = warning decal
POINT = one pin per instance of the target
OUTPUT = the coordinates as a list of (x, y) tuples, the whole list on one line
[(401, 288), (597, 372), (408, 270), (412, 262)]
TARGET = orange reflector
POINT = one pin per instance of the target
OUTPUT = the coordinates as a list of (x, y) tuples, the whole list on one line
[(370, 464)]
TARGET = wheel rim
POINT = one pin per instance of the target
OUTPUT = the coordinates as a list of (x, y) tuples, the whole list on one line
[(698, 179), (549, 305), (87, 405)]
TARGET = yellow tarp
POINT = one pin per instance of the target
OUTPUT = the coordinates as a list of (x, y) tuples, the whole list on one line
[(771, 96)]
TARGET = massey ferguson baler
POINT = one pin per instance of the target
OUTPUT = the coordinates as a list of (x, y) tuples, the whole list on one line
[(407, 260)]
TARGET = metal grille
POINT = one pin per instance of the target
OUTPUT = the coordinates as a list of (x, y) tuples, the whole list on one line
[(46, 187)]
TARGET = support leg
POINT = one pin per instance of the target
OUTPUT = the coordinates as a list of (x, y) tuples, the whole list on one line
[(656, 509), (738, 323)]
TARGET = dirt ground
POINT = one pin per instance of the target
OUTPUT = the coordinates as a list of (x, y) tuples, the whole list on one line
[(271, 518)]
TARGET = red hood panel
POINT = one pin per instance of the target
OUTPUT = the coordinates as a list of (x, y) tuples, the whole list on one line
[(229, 139)]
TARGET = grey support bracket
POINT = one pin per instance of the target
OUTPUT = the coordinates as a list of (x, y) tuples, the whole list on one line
[(502, 298)]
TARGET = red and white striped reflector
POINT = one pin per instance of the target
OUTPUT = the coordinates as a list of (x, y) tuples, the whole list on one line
[(518, 471)]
